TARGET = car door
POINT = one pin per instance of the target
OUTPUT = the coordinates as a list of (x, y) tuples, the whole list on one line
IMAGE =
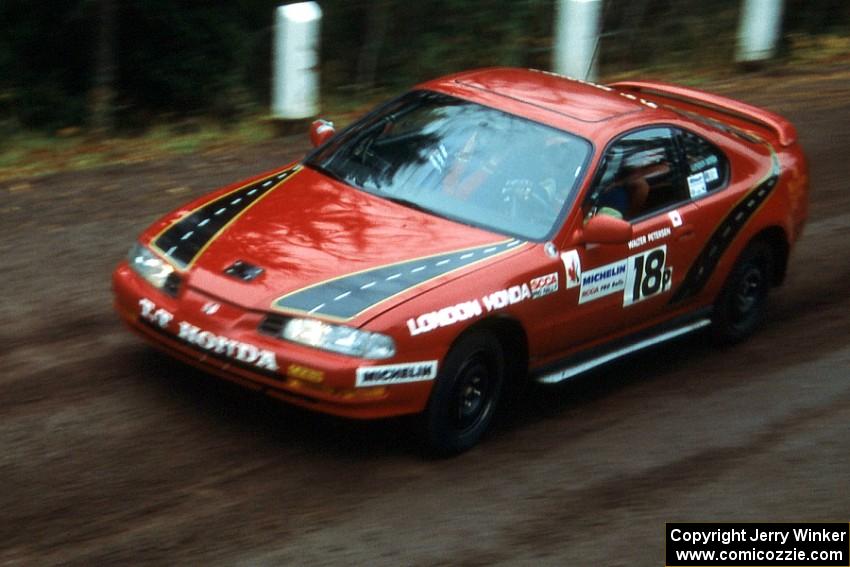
[(615, 288)]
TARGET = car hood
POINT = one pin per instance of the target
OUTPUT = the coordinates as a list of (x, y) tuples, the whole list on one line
[(324, 248)]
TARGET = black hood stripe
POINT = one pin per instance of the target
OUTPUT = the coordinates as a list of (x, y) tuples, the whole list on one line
[(723, 236), (346, 297), (188, 237)]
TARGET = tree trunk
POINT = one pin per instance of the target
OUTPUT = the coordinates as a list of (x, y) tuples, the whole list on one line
[(102, 94), (376, 29)]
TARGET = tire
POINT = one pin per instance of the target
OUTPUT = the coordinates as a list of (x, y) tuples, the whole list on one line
[(465, 395), (741, 305)]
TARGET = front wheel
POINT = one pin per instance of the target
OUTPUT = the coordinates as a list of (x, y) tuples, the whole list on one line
[(740, 308), (465, 394)]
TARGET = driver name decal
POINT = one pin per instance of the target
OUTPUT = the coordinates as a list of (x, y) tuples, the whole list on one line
[(643, 239)]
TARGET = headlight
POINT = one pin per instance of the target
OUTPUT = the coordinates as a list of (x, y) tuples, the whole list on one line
[(150, 266), (337, 338)]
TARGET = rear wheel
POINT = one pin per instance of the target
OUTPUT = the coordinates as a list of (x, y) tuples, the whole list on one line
[(740, 308), (465, 394)]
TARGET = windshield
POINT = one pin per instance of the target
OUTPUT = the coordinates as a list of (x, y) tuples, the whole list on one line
[(461, 160)]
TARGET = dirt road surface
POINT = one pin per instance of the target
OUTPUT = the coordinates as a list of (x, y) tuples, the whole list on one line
[(113, 453)]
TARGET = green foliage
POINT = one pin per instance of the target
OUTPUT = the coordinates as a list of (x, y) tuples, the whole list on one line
[(427, 38), (817, 16), (641, 33), (44, 52), (213, 58), (185, 60)]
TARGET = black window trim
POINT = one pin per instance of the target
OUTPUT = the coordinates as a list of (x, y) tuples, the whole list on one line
[(677, 159), (683, 158), (680, 164)]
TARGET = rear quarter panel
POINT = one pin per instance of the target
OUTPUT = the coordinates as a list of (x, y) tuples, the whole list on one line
[(752, 165)]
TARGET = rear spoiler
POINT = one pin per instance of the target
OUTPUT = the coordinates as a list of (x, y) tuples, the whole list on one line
[(672, 94)]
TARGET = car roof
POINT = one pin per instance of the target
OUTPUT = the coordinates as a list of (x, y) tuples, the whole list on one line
[(571, 104)]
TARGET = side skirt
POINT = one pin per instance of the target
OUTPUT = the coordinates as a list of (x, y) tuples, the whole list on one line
[(582, 363)]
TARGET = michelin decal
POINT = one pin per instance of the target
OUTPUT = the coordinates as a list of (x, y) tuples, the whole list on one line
[(396, 374), (603, 281)]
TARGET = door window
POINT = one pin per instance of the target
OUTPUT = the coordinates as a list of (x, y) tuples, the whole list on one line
[(706, 167), (638, 176)]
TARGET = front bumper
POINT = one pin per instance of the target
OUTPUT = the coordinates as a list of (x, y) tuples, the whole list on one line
[(227, 343)]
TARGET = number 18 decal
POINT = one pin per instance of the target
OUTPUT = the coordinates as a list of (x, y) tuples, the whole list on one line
[(647, 275)]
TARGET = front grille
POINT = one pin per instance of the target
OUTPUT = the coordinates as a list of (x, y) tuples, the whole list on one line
[(273, 324), (172, 284)]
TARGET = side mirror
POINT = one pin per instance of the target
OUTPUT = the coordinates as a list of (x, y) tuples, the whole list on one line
[(605, 229), (320, 132)]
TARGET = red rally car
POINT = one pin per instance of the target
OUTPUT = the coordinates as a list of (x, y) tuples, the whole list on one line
[(484, 229)]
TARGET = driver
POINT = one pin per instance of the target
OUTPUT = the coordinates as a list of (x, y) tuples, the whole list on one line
[(627, 195), (469, 170)]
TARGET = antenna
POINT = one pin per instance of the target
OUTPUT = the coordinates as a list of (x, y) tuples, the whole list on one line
[(593, 54)]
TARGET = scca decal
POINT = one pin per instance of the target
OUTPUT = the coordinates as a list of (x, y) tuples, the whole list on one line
[(544, 285), (396, 374)]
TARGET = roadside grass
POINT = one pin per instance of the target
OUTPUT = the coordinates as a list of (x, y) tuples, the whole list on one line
[(31, 154), (26, 154)]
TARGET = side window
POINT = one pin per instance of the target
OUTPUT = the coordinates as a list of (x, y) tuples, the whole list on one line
[(638, 176), (707, 167)]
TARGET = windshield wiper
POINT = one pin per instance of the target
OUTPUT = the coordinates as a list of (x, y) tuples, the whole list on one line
[(407, 203), (326, 171)]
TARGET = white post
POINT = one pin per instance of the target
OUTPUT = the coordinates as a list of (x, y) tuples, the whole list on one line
[(295, 61), (576, 37), (758, 31)]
